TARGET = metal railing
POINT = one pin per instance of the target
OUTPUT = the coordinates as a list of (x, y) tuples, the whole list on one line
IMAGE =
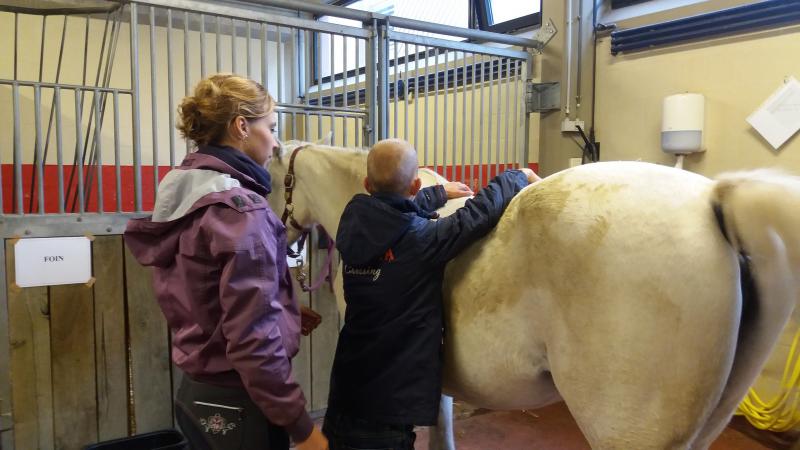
[(381, 82)]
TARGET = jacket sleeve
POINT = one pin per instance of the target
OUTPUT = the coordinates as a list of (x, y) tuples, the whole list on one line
[(431, 198), (251, 310), (444, 239)]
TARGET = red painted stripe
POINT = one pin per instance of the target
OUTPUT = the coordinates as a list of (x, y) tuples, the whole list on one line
[(453, 173), (51, 189)]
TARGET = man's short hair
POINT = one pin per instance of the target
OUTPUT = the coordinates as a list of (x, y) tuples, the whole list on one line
[(391, 166)]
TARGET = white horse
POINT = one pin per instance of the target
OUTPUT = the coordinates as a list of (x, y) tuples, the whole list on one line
[(610, 286)]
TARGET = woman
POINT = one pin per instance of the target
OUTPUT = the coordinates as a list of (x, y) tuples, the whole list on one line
[(221, 279)]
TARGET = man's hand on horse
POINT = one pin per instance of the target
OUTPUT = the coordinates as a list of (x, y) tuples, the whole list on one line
[(309, 319), (454, 189), (532, 177)]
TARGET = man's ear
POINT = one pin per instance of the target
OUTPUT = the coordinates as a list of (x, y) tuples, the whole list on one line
[(367, 187), (416, 185)]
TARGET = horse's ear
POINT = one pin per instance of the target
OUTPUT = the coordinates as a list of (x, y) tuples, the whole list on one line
[(327, 140), (279, 150)]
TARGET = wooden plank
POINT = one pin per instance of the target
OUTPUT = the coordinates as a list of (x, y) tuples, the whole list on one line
[(149, 347), (110, 345), (301, 364), (6, 423), (31, 379), (74, 384), (323, 339)]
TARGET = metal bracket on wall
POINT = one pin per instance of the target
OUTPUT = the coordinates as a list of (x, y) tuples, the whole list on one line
[(544, 34), (542, 97)]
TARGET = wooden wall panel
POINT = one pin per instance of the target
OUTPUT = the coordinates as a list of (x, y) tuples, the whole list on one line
[(110, 344), (31, 380), (149, 346), (74, 382)]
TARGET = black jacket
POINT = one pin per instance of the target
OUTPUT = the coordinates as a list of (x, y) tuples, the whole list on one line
[(388, 363)]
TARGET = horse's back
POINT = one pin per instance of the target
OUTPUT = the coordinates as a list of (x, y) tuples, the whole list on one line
[(612, 278)]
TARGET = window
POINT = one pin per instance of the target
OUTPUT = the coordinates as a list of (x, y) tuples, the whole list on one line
[(445, 12), (503, 16), (623, 3)]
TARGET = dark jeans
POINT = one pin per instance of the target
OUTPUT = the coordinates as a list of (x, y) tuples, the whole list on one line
[(221, 418), (348, 433)]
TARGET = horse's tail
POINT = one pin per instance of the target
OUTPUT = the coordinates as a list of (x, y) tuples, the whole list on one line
[(759, 214)]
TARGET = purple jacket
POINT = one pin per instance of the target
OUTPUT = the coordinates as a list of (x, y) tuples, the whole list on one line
[(221, 279)]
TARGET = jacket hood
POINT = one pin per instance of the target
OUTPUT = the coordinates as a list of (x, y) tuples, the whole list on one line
[(370, 225), (199, 181)]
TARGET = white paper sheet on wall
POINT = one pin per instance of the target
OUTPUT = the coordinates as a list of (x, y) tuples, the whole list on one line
[(779, 117)]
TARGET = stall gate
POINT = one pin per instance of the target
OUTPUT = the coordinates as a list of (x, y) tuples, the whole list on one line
[(88, 98)]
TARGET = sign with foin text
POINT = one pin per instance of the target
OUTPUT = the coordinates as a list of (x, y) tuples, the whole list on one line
[(52, 261)]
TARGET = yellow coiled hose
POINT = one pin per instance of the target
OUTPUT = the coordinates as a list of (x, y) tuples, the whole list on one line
[(779, 414)]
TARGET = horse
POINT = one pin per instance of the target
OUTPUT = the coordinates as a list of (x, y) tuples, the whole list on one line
[(645, 297)]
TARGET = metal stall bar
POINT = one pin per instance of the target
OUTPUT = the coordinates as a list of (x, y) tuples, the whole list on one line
[(370, 69), (170, 92), (473, 111), (20, 207), (435, 109), (186, 86), (332, 72), (383, 83), (359, 124), (218, 42), (427, 103), (444, 124), (416, 96), (79, 149), (455, 112), (234, 63), (527, 127), (396, 93), (516, 114), (248, 46), (508, 115), (499, 77), (480, 115), (59, 148), (117, 171), (98, 128), (307, 83), (154, 95), (202, 46), (136, 131), (405, 95), (279, 44), (463, 115), (331, 96), (489, 145), (37, 108), (345, 39), (264, 55)]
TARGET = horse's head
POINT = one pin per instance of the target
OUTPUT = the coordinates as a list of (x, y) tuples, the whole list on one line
[(322, 181)]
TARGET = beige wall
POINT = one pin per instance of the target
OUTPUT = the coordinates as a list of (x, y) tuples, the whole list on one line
[(735, 74)]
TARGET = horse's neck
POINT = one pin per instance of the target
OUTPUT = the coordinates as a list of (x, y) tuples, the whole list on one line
[(335, 177)]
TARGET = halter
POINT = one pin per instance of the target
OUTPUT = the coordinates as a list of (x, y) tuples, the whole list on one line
[(288, 214), (288, 184)]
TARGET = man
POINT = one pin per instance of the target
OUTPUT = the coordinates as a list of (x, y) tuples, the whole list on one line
[(387, 371)]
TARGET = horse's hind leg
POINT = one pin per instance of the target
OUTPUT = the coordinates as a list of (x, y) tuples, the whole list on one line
[(642, 385), (441, 436)]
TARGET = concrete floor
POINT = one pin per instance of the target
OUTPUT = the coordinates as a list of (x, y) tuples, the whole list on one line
[(549, 428)]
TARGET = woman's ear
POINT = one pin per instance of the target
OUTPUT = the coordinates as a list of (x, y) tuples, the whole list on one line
[(239, 128)]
